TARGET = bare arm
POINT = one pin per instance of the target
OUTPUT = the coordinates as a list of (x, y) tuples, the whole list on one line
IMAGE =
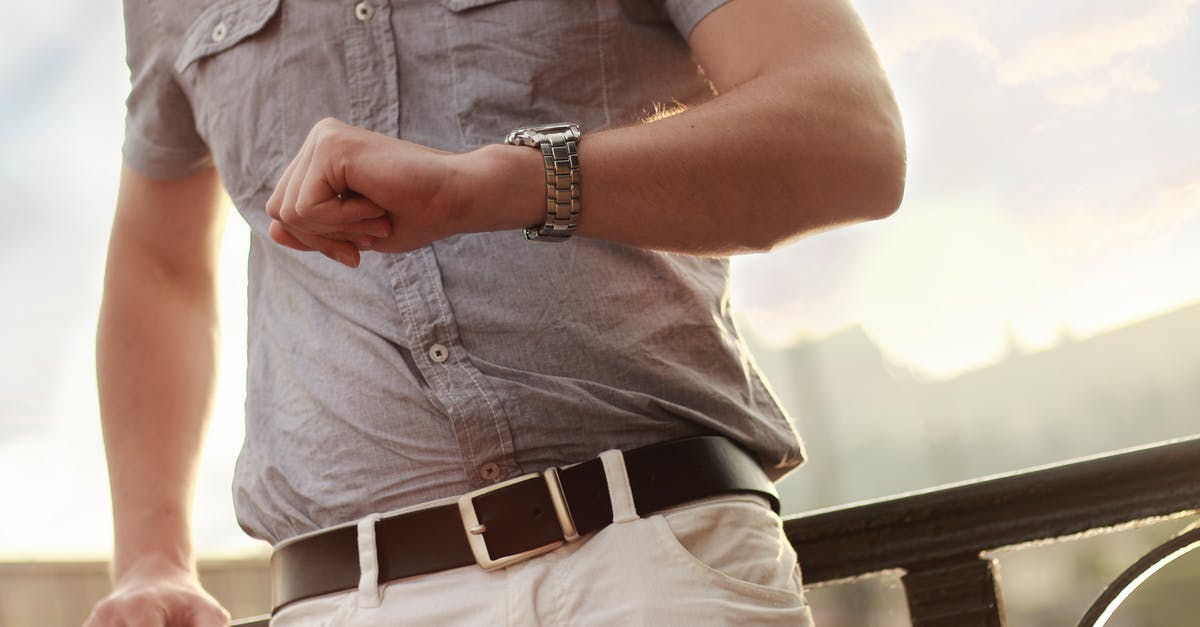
[(804, 136), (155, 358)]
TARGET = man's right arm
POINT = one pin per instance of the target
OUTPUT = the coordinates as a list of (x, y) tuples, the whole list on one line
[(156, 356)]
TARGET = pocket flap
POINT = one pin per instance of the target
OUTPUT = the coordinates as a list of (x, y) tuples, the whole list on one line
[(464, 5), (221, 26)]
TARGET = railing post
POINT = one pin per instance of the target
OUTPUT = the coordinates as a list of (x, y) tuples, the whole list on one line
[(960, 592)]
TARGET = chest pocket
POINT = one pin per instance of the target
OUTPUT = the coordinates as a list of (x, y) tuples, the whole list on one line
[(228, 64), (519, 62)]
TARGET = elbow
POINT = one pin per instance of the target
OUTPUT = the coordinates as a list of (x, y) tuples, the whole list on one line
[(884, 194), (864, 182), (881, 189), (868, 182), (858, 175), (876, 193), (866, 160)]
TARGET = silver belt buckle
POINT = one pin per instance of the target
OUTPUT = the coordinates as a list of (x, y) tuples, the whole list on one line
[(475, 530)]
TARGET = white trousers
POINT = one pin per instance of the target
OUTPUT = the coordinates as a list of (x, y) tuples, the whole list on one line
[(718, 561)]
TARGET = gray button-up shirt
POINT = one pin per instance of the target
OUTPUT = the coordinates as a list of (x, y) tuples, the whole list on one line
[(477, 358)]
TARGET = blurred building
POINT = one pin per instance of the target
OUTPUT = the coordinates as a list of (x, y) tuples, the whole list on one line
[(873, 429)]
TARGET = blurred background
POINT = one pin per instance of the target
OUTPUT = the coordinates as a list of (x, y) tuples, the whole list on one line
[(1036, 298)]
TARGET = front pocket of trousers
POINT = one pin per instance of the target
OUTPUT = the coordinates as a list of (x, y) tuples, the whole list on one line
[(752, 561)]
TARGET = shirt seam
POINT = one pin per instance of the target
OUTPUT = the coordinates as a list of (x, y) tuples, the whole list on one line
[(462, 135), (601, 31), (491, 403)]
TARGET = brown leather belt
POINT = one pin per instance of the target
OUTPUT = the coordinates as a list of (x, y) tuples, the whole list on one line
[(516, 519)]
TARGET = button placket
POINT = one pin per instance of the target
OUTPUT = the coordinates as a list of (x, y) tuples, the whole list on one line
[(371, 67), (476, 415)]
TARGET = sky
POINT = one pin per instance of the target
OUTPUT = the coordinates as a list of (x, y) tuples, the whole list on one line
[(1054, 185), (1054, 191)]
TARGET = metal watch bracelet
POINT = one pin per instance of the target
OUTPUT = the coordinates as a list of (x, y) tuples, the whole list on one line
[(560, 152)]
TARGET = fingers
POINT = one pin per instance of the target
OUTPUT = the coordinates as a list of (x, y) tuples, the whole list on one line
[(280, 234), (352, 214), (159, 605), (156, 618), (288, 211), (341, 251), (338, 229), (275, 202), (288, 236), (315, 175), (360, 209), (313, 211), (316, 185)]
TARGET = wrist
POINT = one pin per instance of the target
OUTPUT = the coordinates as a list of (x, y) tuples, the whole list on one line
[(151, 538), (506, 187), (156, 566)]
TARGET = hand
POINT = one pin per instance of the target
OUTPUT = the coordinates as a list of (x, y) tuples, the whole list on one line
[(158, 596), (350, 189)]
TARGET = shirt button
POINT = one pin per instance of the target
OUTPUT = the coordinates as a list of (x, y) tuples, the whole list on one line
[(220, 31), (439, 353), (363, 11), (489, 471)]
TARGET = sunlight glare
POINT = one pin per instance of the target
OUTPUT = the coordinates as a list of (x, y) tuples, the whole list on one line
[(950, 286)]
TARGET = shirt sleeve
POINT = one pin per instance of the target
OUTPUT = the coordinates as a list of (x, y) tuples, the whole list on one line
[(685, 14), (161, 140)]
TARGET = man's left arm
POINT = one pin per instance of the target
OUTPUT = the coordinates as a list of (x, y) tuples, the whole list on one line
[(805, 135)]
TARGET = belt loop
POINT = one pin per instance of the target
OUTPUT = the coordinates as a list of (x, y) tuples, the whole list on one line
[(619, 491), (369, 593)]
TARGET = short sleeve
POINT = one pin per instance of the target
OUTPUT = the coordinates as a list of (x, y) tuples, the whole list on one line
[(160, 133), (685, 14)]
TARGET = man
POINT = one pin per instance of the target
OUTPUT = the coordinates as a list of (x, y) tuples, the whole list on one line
[(459, 355)]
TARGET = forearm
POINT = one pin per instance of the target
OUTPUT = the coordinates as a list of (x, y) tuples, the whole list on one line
[(155, 360), (804, 136), (761, 173), (156, 353)]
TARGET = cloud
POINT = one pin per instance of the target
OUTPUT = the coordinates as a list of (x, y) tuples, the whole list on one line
[(1127, 259), (1127, 76), (1088, 208), (1093, 43), (1077, 54), (906, 28), (800, 291), (1163, 209)]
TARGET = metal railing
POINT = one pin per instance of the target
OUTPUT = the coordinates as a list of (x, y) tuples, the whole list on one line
[(940, 538)]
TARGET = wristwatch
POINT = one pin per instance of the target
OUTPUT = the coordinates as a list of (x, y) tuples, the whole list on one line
[(559, 144)]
